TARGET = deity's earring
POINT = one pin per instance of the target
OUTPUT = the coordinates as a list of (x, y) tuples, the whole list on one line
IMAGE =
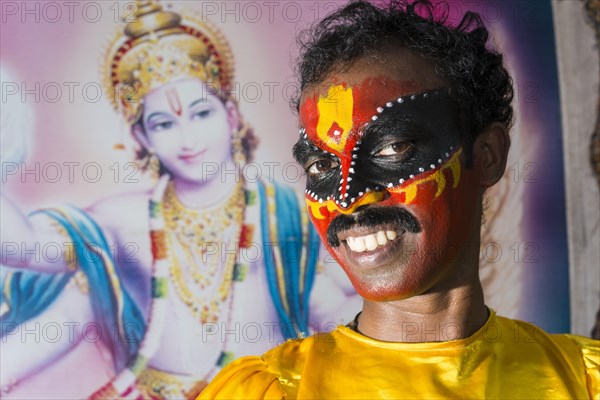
[(237, 148), (153, 165)]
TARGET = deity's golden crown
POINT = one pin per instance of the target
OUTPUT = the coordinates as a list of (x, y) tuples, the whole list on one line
[(160, 46)]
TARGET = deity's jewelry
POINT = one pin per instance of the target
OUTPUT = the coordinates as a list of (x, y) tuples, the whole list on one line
[(198, 235), (237, 147), (200, 232), (154, 384), (159, 47), (153, 166)]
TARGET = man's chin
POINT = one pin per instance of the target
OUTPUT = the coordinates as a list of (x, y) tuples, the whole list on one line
[(382, 289), (384, 282)]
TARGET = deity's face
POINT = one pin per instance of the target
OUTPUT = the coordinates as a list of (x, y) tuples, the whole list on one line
[(189, 128), (387, 187)]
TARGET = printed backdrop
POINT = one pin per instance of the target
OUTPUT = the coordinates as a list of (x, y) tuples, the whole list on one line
[(54, 52)]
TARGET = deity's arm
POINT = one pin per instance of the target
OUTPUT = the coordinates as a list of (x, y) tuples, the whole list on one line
[(38, 343), (30, 243), (333, 299)]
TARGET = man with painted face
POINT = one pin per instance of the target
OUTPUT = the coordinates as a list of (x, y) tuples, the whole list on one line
[(404, 125)]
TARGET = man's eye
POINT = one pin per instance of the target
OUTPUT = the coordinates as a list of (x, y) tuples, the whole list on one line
[(397, 148), (321, 166)]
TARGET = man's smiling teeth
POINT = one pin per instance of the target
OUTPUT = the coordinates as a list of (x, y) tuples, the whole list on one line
[(370, 242)]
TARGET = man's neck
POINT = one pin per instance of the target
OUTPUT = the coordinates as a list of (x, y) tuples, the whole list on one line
[(435, 316)]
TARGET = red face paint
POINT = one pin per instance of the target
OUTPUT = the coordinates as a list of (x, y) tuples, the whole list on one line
[(356, 126)]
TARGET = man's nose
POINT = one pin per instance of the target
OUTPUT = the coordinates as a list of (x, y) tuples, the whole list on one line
[(385, 196), (363, 201)]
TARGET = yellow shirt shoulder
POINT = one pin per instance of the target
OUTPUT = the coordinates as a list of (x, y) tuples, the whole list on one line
[(506, 359), (275, 375)]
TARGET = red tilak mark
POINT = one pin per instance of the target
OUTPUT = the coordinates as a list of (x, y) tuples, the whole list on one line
[(174, 102), (335, 132)]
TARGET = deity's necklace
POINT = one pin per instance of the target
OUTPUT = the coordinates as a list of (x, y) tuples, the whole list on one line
[(194, 233)]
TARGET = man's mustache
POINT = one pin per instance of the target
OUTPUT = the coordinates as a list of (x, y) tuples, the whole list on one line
[(371, 218)]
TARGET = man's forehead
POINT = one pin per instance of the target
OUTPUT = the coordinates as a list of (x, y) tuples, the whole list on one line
[(401, 69)]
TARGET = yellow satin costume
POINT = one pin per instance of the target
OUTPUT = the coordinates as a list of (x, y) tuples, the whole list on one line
[(505, 359)]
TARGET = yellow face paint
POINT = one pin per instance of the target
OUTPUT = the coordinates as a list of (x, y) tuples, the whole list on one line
[(335, 121)]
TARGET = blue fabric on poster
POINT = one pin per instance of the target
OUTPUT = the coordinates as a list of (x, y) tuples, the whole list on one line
[(312, 247), (294, 322), (27, 294), (274, 291), (289, 236)]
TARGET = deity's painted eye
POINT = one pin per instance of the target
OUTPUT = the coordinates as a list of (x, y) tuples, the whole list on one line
[(321, 166), (161, 126), (394, 149), (203, 113)]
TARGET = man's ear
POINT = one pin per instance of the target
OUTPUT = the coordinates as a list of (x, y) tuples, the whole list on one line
[(138, 133), (490, 152)]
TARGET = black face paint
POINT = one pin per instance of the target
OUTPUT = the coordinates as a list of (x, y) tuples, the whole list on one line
[(403, 142)]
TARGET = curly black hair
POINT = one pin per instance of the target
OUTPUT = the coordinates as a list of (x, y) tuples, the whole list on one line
[(479, 80)]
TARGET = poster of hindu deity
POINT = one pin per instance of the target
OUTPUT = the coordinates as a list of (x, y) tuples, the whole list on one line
[(153, 218)]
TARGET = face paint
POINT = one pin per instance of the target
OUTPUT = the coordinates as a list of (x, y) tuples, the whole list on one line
[(382, 145)]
